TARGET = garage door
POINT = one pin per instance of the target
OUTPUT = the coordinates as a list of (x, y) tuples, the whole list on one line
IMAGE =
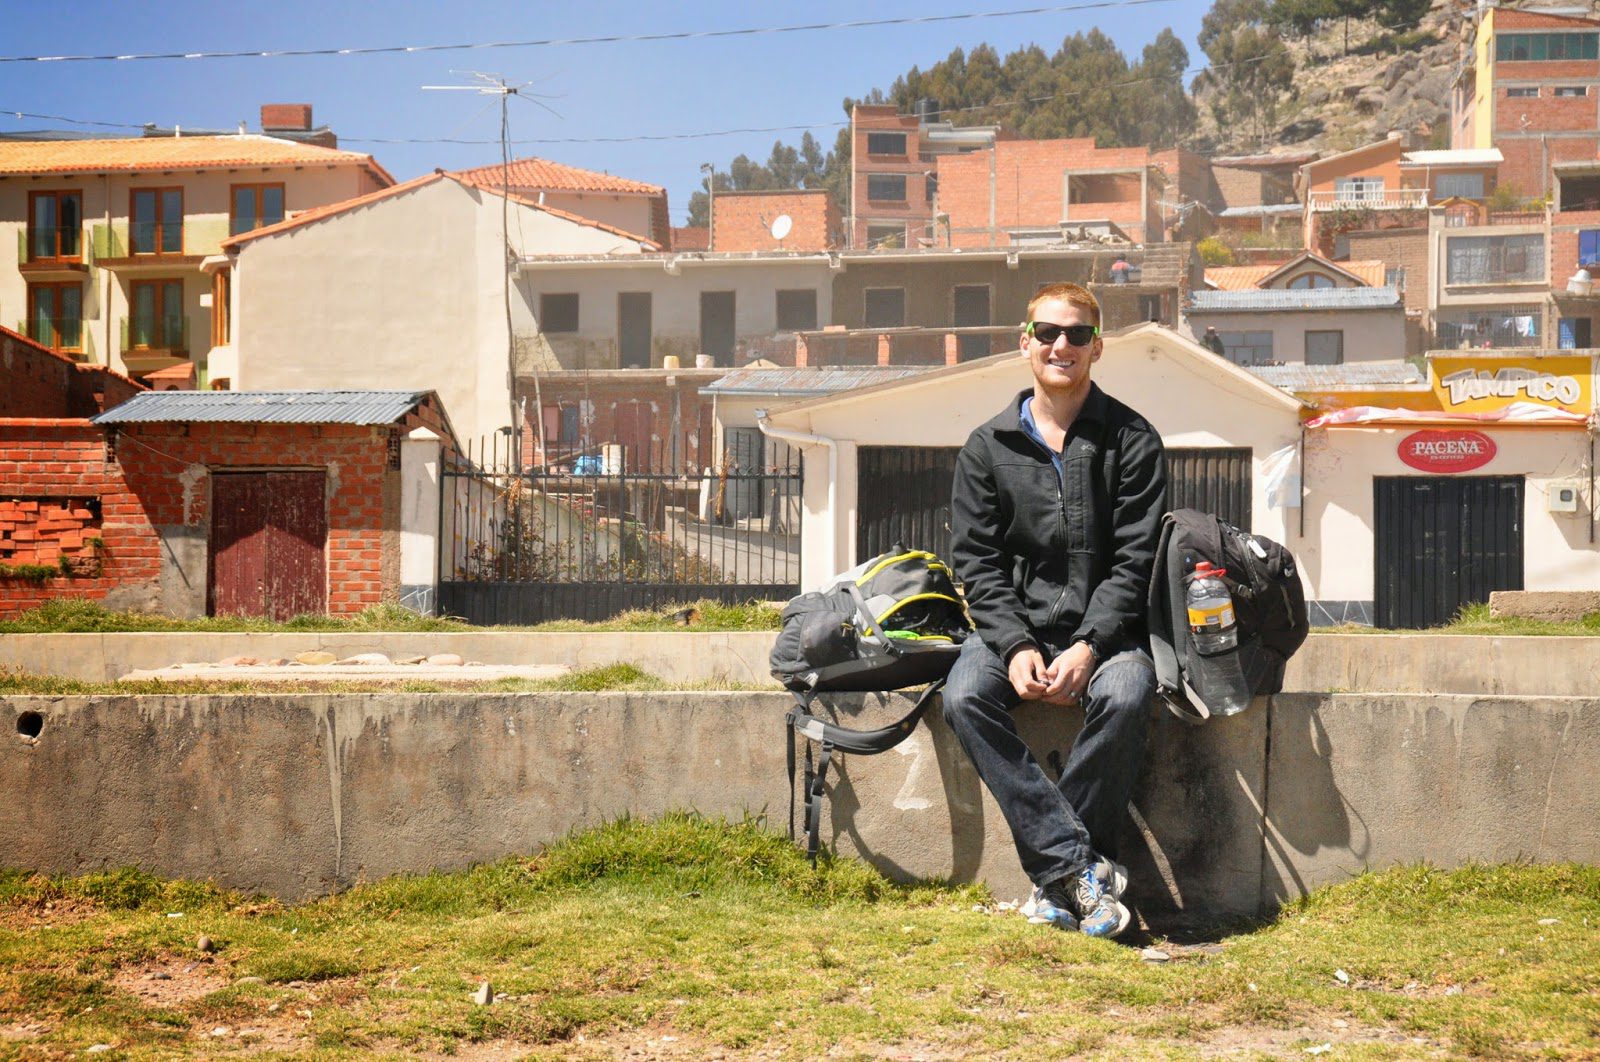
[(1442, 542)]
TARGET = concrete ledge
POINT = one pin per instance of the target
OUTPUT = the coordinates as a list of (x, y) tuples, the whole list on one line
[(1558, 606), (1389, 661), (299, 795)]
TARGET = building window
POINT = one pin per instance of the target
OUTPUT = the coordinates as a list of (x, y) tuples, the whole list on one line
[(886, 187), (797, 310), (221, 308), (155, 221), (157, 321), (1150, 308), (885, 237), (1310, 281), (1395, 277), (558, 313), (55, 315), (886, 144), (1325, 348), (1542, 47), (885, 307), (1494, 259), (1572, 90), (55, 226), (1522, 92), (1488, 327), (1247, 348), (1357, 189), (1459, 186), (255, 206)]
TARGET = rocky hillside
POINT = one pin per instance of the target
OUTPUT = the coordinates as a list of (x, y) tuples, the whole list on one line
[(1341, 100)]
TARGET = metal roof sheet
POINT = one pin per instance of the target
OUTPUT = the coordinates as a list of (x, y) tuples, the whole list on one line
[(1264, 210), (265, 407), (1453, 157), (812, 380), (1275, 300), (1360, 374)]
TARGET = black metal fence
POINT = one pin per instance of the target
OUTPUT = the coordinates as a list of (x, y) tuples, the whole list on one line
[(591, 538)]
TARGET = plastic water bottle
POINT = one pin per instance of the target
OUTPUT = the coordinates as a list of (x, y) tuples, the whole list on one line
[(1211, 610), (1219, 673)]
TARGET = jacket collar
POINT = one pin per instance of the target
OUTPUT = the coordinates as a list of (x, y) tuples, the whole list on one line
[(1094, 408)]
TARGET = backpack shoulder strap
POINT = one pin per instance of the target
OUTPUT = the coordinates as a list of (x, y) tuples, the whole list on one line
[(1167, 616)]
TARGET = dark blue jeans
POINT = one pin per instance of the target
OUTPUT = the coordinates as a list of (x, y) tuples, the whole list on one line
[(1060, 826)]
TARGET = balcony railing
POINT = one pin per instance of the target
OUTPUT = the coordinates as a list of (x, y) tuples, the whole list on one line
[(901, 346), (1363, 199), (162, 334), (65, 335), (50, 243), (121, 241)]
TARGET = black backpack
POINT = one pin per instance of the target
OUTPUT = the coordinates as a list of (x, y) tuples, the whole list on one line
[(895, 621), (1269, 604)]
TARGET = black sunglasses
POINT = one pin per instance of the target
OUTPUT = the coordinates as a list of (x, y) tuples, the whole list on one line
[(1047, 333)]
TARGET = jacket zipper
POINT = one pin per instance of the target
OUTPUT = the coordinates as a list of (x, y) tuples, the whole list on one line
[(1061, 518)]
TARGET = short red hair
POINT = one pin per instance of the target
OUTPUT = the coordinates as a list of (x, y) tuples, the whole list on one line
[(1072, 295)]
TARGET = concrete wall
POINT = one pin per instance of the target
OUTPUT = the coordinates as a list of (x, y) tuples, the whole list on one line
[(298, 795), (674, 303), (1369, 335)]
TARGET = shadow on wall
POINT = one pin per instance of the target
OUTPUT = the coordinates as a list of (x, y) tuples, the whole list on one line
[(1198, 843)]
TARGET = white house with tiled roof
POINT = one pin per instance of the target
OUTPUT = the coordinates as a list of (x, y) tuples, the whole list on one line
[(404, 287), (111, 236), (630, 205)]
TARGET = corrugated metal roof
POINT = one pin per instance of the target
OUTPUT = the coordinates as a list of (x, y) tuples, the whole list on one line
[(1360, 374), (265, 407), (1274, 300), (1454, 157), (1276, 210), (812, 380)]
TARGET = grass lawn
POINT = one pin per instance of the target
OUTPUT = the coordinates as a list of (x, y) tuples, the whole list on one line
[(688, 939)]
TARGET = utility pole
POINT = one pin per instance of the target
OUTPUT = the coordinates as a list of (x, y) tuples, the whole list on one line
[(711, 201)]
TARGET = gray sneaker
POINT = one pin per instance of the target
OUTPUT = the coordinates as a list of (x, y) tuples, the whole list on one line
[(1099, 913), (1113, 877)]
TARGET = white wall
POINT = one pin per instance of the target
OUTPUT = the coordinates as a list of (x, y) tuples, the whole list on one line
[(1175, 385), (1341, 462), (406, 292), (630, 213), (1369, 335)]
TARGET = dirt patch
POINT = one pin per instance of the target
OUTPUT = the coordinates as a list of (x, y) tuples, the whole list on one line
[(169, 981), (48, 914)]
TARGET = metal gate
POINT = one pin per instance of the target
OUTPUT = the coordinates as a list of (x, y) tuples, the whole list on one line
[(591, 539), (1215, 480), (903, 492), (1442, 542), (903, 496)]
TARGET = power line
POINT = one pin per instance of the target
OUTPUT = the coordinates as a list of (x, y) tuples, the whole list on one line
[(683, 35)]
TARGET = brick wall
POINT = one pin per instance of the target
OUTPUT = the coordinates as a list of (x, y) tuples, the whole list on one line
[(1028, 186), (915, 211), (1527, 159), (61, 463), (35, 381), (286, 116), (1398, 248), (743, 221)]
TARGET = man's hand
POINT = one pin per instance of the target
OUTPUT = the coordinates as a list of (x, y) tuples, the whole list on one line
[(1029, 675), (1068, 676)]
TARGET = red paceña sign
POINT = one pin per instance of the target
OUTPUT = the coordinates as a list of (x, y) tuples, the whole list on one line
[(1447, 451)]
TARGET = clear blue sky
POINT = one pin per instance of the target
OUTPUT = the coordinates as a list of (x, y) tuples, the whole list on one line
[(625, 89)]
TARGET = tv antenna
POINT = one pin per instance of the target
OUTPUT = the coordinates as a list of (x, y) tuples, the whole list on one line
[(495, 85)]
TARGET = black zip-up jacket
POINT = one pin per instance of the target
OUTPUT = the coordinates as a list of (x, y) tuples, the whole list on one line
[(1051, 560)]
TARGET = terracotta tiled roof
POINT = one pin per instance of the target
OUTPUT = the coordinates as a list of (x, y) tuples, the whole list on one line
[(328, 210), (168, 153), (332, 209), (544, 175), (1242, 278)]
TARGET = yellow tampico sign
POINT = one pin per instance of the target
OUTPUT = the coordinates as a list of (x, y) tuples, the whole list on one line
[(1481, 385)]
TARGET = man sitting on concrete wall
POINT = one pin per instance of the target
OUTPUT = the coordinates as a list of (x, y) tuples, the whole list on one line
[(1055, 512)]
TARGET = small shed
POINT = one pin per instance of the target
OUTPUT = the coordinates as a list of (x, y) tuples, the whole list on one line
[(275, 503)]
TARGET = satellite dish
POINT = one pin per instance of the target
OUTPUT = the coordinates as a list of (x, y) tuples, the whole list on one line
[(781, 226)]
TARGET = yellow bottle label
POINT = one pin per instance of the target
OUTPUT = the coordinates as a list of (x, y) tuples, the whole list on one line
[(1203, 618)]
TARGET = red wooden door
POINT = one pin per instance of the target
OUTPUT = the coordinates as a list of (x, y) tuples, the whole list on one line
[(269, 533)]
